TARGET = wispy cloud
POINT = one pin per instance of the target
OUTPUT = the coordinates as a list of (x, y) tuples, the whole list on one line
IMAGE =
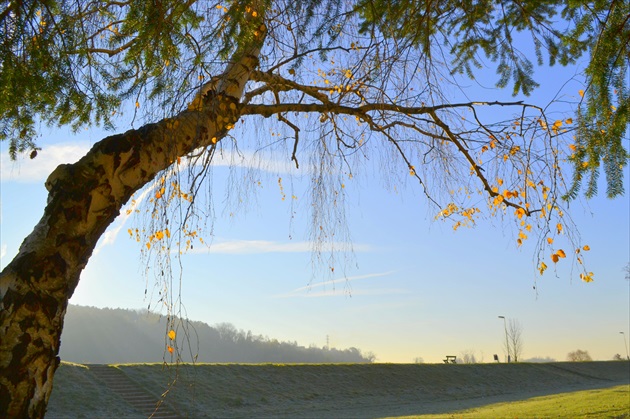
[(265, 246), (109, 237), (26, 170), (345, 291), (331, 288), (255, 161), (37, 170)]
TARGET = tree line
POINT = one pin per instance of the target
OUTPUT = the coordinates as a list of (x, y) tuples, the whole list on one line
[(95, 335)]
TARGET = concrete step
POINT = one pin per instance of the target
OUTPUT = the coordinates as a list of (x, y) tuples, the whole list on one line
[(132, 393)]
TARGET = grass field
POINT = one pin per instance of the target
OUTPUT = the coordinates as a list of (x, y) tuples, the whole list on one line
[(356, 390), (602, 403)]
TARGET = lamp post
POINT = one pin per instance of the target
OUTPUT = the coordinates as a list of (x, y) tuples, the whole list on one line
[(625, 343), (507, 345)]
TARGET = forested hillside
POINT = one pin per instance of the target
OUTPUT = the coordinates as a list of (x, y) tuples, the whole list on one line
[(93, 335)]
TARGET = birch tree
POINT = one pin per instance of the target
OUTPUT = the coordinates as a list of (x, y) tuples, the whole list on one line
[(514, 341), (340, 82)]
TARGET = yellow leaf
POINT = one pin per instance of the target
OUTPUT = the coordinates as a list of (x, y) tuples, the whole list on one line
[(159, 235), (549, 240), (581, 92), (587, 277), (542, 268), (412, 170), (148, 245), (168, 233), (522, 235), (520, 212), (555, 258), (171, 334), (586, 248), (569, 121), (170, 349), (559, 228), (561, 253)]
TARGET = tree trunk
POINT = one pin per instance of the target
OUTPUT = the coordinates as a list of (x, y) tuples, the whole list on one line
[(84, 198)]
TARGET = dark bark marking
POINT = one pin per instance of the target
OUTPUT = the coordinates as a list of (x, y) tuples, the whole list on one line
[(116, 144), (5, 399), (31, 303), (9, 299), (56, 265), (61, 239), (17, 362), (116, 162), (50, 306)]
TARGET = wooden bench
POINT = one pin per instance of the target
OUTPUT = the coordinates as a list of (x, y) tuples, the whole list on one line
[(450, 359)]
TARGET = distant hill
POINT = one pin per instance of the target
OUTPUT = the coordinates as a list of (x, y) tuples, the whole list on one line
[(106, 336)]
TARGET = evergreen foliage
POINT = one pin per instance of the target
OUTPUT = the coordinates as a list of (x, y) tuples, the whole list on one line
[(563, 30), (75, 63)]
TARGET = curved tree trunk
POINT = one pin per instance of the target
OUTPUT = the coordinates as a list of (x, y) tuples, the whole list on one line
[(84, 198)]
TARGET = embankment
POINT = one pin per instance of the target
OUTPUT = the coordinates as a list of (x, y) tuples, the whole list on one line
[(328, 390)]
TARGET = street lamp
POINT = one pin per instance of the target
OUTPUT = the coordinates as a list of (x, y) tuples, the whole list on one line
[(625, 343), (507, 345)]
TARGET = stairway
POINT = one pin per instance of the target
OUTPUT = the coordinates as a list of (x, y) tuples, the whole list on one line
[(130, 392)]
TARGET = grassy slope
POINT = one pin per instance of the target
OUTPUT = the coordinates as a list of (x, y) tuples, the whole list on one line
[(602, 403), (77, 394), (327, 390)]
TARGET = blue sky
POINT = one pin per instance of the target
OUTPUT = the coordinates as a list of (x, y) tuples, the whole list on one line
[(412, 287)]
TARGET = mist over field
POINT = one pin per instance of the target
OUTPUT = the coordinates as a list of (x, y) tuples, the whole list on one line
[(105, 336)]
